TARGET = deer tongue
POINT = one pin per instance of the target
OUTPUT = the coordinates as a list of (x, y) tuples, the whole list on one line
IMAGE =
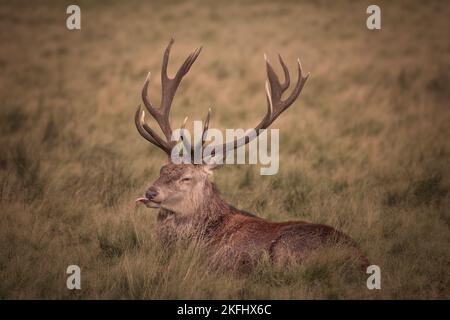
[(142, 199)]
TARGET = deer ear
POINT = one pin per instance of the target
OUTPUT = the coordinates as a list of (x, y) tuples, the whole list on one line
[(208, 168), (212, 163)]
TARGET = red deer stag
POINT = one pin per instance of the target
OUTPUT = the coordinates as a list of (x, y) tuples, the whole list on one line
[(190, 205)]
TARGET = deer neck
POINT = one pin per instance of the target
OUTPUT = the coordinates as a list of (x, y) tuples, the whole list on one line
[(206, 216)]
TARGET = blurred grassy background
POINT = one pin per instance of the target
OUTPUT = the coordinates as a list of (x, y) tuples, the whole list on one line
[(365, 149)]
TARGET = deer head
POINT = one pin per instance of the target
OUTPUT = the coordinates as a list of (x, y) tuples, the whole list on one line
[(184, 188), (180, 188)]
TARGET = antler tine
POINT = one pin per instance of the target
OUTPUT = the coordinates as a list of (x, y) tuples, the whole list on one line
[(298, 87), (201, 143), (166, 60), (155, 136), (186, 143), (269, 113), (186, 66), (205, 127), (170, 86), (287, 80), (146, 132), (148, 105), (275, 86)]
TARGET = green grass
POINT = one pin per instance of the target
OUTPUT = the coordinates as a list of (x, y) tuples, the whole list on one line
[(365, 149)]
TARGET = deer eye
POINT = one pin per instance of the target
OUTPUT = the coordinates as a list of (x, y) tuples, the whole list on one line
[(186, 179)]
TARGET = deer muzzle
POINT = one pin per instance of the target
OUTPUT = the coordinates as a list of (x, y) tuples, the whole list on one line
[(150, 199)]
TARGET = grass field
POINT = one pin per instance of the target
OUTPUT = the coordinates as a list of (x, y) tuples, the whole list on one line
[(366, 149)]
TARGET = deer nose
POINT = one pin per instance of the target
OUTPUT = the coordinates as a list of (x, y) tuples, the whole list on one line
[(151, 193)]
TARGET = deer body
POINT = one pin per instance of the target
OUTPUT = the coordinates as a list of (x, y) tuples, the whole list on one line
[(190, 206), (238, 238)]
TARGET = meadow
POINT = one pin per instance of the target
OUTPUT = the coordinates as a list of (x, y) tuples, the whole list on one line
[(365, 149)]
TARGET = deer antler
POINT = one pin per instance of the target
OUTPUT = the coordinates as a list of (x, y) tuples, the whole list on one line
[(161, 114), (275, 105)]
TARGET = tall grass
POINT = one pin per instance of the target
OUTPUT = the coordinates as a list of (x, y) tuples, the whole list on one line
[(365, 149)]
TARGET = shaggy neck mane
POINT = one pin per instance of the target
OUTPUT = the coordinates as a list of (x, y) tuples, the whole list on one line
[(212, 205)]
